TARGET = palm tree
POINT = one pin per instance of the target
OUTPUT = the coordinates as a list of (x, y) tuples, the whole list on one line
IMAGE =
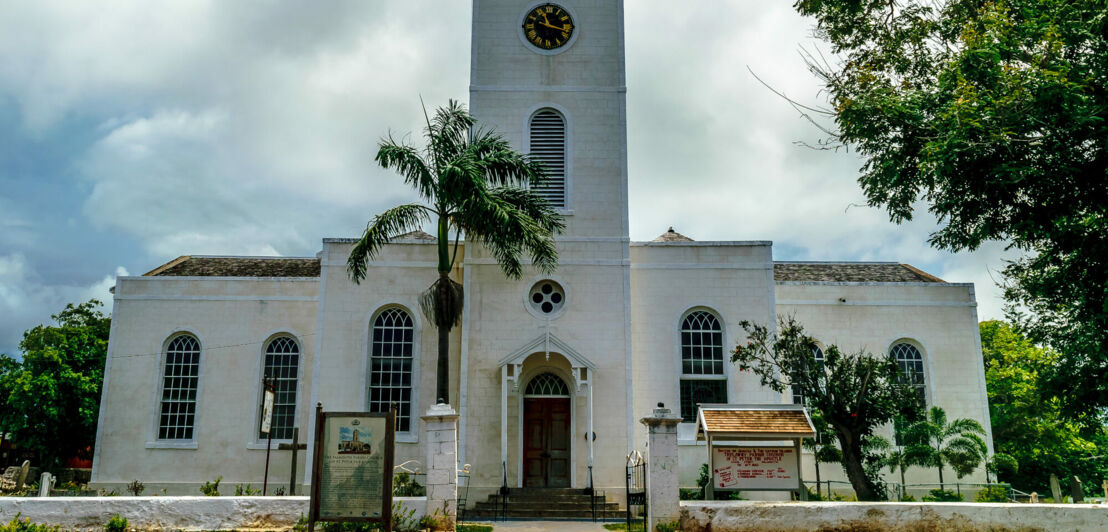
[(822, 446), (936, 443), (470, 181)]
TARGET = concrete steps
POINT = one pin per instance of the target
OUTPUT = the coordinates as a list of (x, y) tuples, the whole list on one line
[(546, 503)]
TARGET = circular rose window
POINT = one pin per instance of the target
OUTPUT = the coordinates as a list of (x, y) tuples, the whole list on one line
[(547, 298)]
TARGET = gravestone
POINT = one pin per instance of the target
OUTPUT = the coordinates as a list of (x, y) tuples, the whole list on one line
[(1076, 492), (1055, 489), (1104, 486), (1034, 498), (22, 478), (45, 484)]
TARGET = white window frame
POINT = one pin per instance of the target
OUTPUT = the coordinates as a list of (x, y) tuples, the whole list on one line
[(924, 363), (254, 440), (154, 442), (412, 434), (680, 372)]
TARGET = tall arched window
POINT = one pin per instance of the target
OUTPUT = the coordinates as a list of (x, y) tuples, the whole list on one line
[(703, 380), (908, 357), (391, 360), (548, 145), (181, 379), (798, 394), (282, 365)]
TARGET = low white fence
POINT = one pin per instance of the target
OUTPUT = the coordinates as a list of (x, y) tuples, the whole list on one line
[(171, 513), (724, 516)]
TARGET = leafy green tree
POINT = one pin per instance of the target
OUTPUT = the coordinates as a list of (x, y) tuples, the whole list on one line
[(52, 397), (935, 442), (1027, 418), (855, 393), (471, 181), (993, 115)]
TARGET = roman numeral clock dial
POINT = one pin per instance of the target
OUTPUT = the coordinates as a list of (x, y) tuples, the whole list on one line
[(548, 26)]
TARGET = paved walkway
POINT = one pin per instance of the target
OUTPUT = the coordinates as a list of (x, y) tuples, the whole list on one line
[(543, 526)]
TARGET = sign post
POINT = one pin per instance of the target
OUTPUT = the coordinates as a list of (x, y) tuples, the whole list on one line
[(267, 423), (352, 467)]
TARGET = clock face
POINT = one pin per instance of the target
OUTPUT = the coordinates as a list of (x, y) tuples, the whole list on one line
[(548, 26)]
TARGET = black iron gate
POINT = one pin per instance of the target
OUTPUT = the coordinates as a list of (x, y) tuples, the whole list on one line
[(636, 490)]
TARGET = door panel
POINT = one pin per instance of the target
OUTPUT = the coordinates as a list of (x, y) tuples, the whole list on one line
[(546, 442)]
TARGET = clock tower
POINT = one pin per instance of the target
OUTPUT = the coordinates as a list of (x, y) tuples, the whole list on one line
[(550, 77)]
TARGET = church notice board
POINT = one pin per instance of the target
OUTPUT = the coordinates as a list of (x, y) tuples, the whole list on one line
[(755, 468), (352, 467)]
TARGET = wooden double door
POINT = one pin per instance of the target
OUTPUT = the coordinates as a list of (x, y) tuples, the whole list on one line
[(546, 442)]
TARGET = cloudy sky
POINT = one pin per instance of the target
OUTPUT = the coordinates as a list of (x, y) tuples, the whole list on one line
[(132, 133)]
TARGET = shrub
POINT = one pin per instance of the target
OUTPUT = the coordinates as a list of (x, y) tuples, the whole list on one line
[(25, 525), (211, 489), (135, 487), (116, 524), (404, 485), (474, 527), (992, 494), (402, 521), (908, 497), (940, 495), (691, 494), (672, 526), (241, 490)]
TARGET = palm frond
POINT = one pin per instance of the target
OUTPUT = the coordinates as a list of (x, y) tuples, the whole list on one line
[(510, 222), (383, 227), (407, 161)]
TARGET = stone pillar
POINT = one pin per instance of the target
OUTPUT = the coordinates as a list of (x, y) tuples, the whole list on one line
[(663, 494), (441, 441)]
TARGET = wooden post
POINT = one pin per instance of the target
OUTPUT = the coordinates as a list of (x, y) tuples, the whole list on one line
[(295, 446), (802, 493)]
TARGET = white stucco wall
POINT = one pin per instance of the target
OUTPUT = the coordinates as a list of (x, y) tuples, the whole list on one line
[(233, 318)]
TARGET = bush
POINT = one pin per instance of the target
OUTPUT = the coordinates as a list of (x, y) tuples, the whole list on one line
[(116, 524), (241, 490), (671, 526), (402, 521), (135, 487), (992, 494), (691, 494), (404, 485), (25, 525), (211, 489), (474, 527), (939, 495), (908, 497)]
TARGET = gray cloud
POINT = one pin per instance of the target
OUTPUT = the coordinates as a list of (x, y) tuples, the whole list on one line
[(250, 128)]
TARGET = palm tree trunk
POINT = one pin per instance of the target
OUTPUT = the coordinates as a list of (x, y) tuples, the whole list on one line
[(902, 480), (941, 474), (442, 375)]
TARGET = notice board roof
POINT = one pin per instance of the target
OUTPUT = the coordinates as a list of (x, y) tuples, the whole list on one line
[(754, 422)]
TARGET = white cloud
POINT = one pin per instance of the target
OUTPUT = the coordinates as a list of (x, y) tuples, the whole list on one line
[(26, 300)]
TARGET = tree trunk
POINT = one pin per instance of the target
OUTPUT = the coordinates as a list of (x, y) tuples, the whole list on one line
[(855, 471), (941, 475), (818, 492), (902, 481), (442, 376)]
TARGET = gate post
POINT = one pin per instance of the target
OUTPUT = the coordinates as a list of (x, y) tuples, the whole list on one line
[(441, 441), (661, 467)]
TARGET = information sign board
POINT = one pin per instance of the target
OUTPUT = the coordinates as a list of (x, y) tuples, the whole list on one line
[(267, 411), (352, 470), (755, 468)]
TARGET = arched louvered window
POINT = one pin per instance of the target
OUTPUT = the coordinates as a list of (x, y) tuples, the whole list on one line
[(181, 379), (546, 385), (703, 380), (910, 360), (391, 361), (798, 394), (548, 145), (282, 365)]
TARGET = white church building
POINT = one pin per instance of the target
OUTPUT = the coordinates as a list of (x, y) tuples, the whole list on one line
[(549, 374)]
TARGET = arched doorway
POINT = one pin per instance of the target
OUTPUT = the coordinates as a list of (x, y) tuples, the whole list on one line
[(546, 432)]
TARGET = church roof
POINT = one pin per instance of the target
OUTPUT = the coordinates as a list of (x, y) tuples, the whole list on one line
[(204, 266), (416, 235), (851, 272), (672, 236)]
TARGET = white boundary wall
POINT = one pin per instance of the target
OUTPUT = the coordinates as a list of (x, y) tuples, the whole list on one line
[(741, 516), (170, 513)]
